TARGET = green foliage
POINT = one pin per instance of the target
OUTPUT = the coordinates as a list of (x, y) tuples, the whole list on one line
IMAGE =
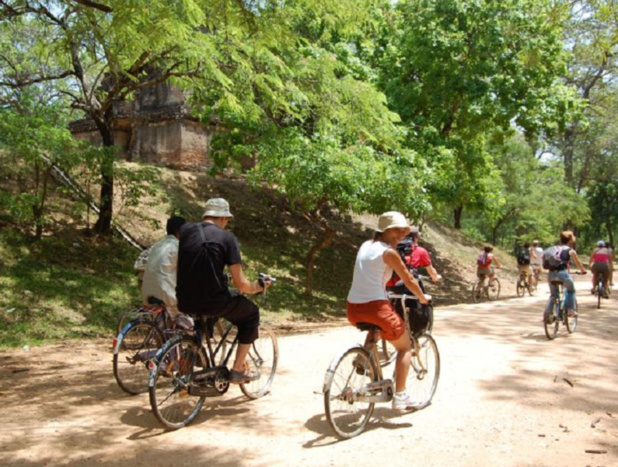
[(313, 171), (31, 141), (457, 72)]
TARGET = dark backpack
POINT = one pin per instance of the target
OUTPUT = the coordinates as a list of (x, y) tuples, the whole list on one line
[(523, 257), (419, 315)]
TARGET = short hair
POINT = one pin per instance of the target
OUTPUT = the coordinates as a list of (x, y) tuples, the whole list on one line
[(566, 236), (174, 224), (488, 248), (526, 245)]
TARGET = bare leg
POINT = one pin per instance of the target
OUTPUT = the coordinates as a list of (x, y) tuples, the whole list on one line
[(402, 364), (241, 355)]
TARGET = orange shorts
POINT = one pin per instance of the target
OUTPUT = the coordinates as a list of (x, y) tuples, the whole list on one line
[(380, 313)]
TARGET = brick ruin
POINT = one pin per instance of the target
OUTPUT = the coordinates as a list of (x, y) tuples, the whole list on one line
[(157, 127)]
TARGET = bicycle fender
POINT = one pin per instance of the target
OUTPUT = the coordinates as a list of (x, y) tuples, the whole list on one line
[(118, 342), (328, 377)]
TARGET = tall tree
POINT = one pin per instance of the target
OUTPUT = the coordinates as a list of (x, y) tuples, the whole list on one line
[(98, 54), (458, 71)]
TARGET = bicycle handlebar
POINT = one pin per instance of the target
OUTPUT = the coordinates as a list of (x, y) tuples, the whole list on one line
[(396, 296), (262, 279)]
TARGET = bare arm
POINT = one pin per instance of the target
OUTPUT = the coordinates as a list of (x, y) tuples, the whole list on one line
[(243, 284), (498, 265), (578, 263), (433, 273), (392, 259)]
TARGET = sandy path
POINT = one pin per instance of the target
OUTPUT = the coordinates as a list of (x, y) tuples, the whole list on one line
[(503, 400)]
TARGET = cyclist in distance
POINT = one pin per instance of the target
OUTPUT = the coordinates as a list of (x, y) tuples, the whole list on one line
[(420, 257), (159, 280), (561, 256), (536, 259), (367, 300), (206, 248), (485, 263), (600, 265), (415, 257), (524, 258)]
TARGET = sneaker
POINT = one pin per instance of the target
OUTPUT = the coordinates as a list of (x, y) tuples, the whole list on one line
[(236, 377), (571, 313), (403, 403)]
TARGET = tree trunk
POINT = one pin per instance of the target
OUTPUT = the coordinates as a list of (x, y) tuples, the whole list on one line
[(457, 216), (106, 198), (568, 155), (325, 240)]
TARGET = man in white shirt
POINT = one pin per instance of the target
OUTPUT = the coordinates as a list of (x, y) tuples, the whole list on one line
[(160, 272), (536, 260)]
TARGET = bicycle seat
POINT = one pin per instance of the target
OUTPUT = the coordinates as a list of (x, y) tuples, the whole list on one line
[(368, 327), (556, 283)]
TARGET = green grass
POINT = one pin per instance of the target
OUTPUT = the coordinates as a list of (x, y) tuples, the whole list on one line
[(64, 286), (70, 286)]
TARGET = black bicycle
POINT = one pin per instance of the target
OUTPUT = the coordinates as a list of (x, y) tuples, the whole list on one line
[(601, 290), (190, 368)]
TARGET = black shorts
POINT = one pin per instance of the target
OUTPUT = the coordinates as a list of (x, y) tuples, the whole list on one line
[(241, 312)]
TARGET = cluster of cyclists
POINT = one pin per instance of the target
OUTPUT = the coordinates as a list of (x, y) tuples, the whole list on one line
[(186, 271), (558, 261)]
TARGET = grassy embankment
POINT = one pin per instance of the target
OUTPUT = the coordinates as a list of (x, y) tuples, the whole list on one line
[(71, 285)]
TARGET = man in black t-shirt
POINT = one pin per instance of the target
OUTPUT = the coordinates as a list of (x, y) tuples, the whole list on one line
[(205, 249)]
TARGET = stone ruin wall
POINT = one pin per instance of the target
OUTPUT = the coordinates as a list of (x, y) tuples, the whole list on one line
[(156, 128)]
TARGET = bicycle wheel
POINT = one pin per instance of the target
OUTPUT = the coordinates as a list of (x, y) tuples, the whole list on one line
[(174, 396), (263, 357), (570, 321), (550, 322), (477, 291), (345, 381), (128, 315), (134, 347), (531, 287), (600, 292), (424, 371), (493, 290), (386, 352), (520, 287)]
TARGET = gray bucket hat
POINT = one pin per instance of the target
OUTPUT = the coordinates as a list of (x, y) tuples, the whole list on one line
[(217, 207)]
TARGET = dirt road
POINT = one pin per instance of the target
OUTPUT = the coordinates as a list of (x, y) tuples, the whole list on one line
[(507, 397)]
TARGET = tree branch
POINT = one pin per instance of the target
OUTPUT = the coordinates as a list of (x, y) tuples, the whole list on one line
[(95, 5), (40, 79)]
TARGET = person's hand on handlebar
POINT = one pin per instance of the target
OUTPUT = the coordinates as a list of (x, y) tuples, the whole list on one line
[(265, 281), (424, 299)]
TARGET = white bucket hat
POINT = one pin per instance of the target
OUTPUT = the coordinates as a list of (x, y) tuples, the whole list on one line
[(391, 220), (217, 207)]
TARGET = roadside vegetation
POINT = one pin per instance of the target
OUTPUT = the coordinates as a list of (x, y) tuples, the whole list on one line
[(493, 118)]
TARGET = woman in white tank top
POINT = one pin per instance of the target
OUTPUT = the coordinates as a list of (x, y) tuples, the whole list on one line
[(367, 301)]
